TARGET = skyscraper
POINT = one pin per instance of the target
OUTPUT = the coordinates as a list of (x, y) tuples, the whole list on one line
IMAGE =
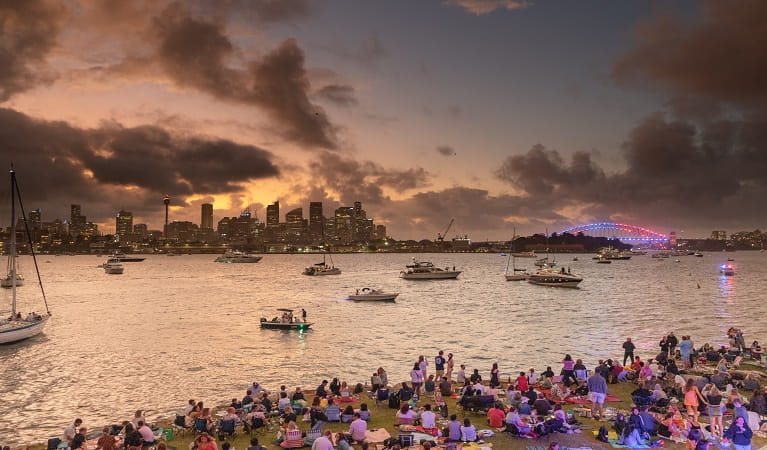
[(316, 220), (166, 201), (206, 221), (76, 221), (123, 224), (273, 215)]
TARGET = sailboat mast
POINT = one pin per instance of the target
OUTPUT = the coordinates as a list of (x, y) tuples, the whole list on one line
[(12, 246)]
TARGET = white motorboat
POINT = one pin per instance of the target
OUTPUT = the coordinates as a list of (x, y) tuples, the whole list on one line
[(113, 267), (369, 294), (17, 327), (322, 268), (231, 257), (603, 260), (7, 282), (556, 278), (425, 270), (727, 269)]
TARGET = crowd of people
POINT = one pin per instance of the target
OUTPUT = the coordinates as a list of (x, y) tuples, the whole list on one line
[(529, 404)]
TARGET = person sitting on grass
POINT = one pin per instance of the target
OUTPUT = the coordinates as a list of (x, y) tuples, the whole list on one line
[(357, 429), (364, 412), (542, 406), (453, 429), (468, 432), (495, 416), (405, 416), (428, 418), (515, 424)]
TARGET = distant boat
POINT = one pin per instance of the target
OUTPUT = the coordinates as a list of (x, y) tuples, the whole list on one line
[(113, 267), (16, 328), (516, 274), (554, 278), (524, 254), (122, 257), (322, 268), (231, 257), (285, 322), (727, 270), (425, 270), (369, 294)]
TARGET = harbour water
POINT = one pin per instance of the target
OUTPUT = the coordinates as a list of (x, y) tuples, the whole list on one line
[(175, 328)]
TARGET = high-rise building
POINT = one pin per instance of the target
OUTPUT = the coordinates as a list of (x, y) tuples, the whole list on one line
[(123, 224), (719, 235), (380, 232), (344, 221), (76, 221), (316, 220), (295, 220), (358, 212), (35, 218), (181, 231), (273, 215), (206, 220), (140, 230)]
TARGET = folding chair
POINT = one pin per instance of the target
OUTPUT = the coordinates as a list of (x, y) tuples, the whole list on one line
[(225, 429), (200, 426), (179, 424)]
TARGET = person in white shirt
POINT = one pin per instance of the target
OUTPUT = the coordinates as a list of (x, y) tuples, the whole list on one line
[(479, 389), (460, 377), (71, 431), (428, 418), (468, 432), (532, 377), (284, 401), (189, 407)]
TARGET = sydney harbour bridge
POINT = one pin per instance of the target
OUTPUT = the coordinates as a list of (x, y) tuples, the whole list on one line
[(622, 231)]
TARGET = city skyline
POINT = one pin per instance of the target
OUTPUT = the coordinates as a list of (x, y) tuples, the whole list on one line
[(502, 114)]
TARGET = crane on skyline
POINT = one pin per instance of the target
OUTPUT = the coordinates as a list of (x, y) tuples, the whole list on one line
[(441, 236)]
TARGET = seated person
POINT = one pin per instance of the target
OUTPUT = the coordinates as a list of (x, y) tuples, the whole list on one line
[(513, 418), (348, 415), (429, 385), (641, 391), (581, 389), (524, 408), (756, 351), (445, 387), (548, 373), (657, 393), (453, 429), (559, 392), (542, 406), (468, 432), (712, 355), (357, 428), (405, 416), (288, 415), (649, 422), (344, 390), (672, 368), (248, 397), (531, 395), (333, 412), (283, 402), (364, 412), (495, 416), (298, 398), (750, 383), (521, 382), (292, 438), (428, 418)]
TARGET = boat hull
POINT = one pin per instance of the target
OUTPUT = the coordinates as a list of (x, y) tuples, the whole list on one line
[(7, 283), (114, 270), (285, 326), (517, 277), (19, 330), (555, 283), (373, 297), (319, 273), (248, 260), (443, 275)]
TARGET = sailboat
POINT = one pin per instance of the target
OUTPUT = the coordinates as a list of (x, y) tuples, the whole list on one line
[(15, 327), (514, 276), (322, 268)]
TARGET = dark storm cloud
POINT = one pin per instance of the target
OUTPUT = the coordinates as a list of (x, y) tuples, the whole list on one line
[(263, 11), (341, 95), (364, 181), (197, 53), (446, 150), (718, 56), (28, 32), (113, 165)]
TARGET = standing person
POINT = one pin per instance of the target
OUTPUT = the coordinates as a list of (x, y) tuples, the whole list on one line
[(384, 377), (740, 434), (691, 397), (672, 343), (568, 370), (416, 377), (423, 365), (494, 376), (715, 410), (597, 385), (663, 344), (450, 364), (303, 314), (439, 365), (375, 381), (685, 349), (71, 431), (628, 350)]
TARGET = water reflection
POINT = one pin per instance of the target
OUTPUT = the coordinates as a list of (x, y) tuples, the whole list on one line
[(184, 323)]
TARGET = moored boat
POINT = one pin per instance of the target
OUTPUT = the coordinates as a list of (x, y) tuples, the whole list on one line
[(425, 270), (113, 267), (122, 257), (285, 322), (369, 294), (17, 327), (555, 278), (234, 257)]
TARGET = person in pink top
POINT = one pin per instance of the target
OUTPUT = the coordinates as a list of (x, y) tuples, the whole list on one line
[(568, 370), (357, 428)]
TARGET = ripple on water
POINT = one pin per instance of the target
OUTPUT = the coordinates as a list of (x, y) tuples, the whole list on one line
[(171, 329)]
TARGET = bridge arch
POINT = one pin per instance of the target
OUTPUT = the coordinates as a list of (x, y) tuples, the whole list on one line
[(614, 230)]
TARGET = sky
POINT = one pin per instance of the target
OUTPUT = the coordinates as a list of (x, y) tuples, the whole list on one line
[(502, 114)]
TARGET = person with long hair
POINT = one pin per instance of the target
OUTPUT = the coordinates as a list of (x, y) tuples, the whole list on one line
[(494, 376), (691, 397), (715, 410), (568, 370), (416, 377)]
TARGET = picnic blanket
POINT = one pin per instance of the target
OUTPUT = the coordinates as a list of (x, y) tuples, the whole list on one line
[(573, 400), (338, 400), (378, 435)]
